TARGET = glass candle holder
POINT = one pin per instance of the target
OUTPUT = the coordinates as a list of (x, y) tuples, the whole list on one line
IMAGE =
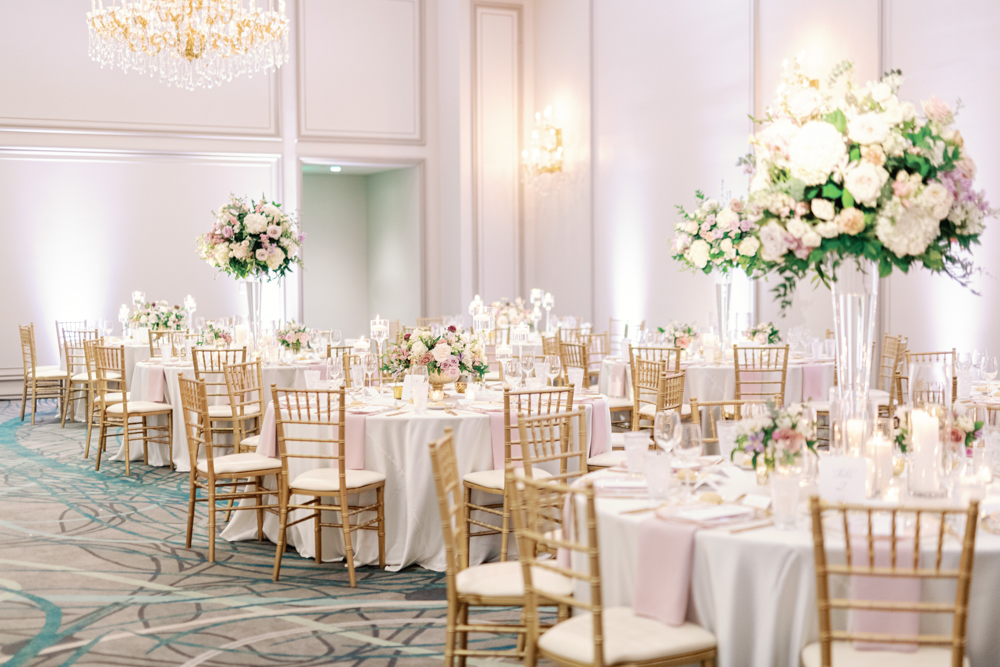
[(929, 428)]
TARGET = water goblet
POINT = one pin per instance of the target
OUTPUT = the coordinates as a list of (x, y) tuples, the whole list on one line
[(512, 373), (555, 366), (988, 369), (667, 429), (688, 448), (370, 362)]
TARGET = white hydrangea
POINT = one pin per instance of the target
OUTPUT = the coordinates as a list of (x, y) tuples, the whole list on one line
[(868, 128), (256, 223), (906, 230), (815, 151), (895, 144), (727, 248), (697, 254), (936, 200), (748, 246)]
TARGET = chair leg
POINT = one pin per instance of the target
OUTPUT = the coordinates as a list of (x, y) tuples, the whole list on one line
[(468, 526), (449, 635), (34, 401), (258, 488), (318, 531), (170, 440), (90, 420), (505, 534), (100, 443), (211, 519), (63, 411), (128, 454), (145, 441), (24, 399), (462, 635), (192, 499), (380, 497), (282, 524), (348, 547)]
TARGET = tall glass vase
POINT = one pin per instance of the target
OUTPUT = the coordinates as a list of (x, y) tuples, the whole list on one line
[(254, 289), (723, 286), (855, 297)]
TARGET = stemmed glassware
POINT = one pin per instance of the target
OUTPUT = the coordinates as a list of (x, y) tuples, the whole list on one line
[(335, 371), (107, 326), (336, 337), (512, 373), (199, 324), (667, 430), (528, 365), (988, 369), (555, 366), (964, 361), (370, 362), (687, 448)]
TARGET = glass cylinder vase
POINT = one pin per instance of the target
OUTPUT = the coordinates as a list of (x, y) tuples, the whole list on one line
[(254, 289), (855, 297), (723, 287)]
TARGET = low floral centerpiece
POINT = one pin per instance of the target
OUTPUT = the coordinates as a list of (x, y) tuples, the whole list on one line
[(782, 432), (159, 315), (764, 333), (217, 333), (509, 313), (292, 336), (679, 334), (446, 355), (965, 429)]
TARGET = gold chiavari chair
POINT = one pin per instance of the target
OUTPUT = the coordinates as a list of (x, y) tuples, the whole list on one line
[(721, 411), (40, 382), (597, 348), (870, 553), (346, 354), (567, 335), (118, 411), (672, 355), (655, 389), (215, 474), (550, 345), (67, 325), (426, 322), (485, 585), (947, 358), (619, 330), (80, 380), (529, 402), (760, 371), (890, 364), (574, 355), (324, 411), (245, 385), (94, 398), (156, 336), (600, 636), (209, 365)]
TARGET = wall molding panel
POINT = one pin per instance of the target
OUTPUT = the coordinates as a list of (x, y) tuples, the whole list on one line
[(497, 198)]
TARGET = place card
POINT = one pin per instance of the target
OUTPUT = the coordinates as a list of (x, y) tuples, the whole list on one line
[(756, 501), (843, 478)]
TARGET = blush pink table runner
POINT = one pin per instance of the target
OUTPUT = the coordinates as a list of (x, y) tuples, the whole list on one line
[(354, 438), (598, 433)]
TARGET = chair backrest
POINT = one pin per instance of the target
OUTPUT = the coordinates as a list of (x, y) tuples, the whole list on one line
[(550, 345), (67, 325), (109, 364), (346, 354), (672, 355), (948, 358), (549, 440), (28, 357), (721, 411), (194, 406), (245, 385), (537, 534), (530, 402), (874, 554), (425, 322), (570, 335), (323, 408), (573, 355), (155, 338), (451, 504), (72, 343), (597, 348), (209, 366), (760, 371), (652, 384)]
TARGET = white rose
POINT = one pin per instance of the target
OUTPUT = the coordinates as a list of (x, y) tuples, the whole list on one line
[(697, 254), (868, 128), (222, 254), (864, 181), (441, 352), (748, 246), (893, 111), (797, 228), (827, 229), (726, 218), (804, 102), (774, 242), (895, 144), (909, 111), (418, 348), (815, 151), (261, 255), (727, 248), (811, 239), (275, 258), (256, 223), (937, 200), (822, 208), (881, 92), (292, 249), (240, 251), (777, 137), (272, 211)]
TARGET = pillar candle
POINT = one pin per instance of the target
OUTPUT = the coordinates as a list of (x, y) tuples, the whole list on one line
[(925, 441)]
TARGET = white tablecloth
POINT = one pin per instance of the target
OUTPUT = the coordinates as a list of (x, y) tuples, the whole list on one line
[(398, 447), (134, 353), (756, 590), (708, 382)]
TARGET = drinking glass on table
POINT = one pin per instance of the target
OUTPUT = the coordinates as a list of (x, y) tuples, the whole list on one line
[(964, 361), (688, 448), (336, 337), (370, 362), (555, 366), (528, 364), (667, 430), (636, 448), (988, 369), (335, 372), (512, 373), (659, 475)]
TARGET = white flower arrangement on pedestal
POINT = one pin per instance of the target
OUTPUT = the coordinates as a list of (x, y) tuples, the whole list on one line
[(717, 236), (251, 240)]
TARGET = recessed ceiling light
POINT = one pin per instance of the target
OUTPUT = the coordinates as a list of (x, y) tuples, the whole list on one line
[(334, 168)]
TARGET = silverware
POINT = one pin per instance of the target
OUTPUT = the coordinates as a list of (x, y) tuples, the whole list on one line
[(401, 412), (645, 509), (451, 412), (743, 529)]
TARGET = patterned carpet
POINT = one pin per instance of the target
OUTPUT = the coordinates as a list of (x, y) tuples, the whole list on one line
[(93, 571)]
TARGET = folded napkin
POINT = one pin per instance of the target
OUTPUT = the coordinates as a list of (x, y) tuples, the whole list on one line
[(812, 382), (154, 384), (663, 574)]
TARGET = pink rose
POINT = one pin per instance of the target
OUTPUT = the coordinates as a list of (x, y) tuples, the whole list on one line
[(425, 358), (227, 232), (788, 439), (957, 436), (736, 205), (938, 110), (303, 337), (682, 341)]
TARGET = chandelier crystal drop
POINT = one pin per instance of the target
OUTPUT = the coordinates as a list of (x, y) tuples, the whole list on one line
[(189, 43), (542, 161)]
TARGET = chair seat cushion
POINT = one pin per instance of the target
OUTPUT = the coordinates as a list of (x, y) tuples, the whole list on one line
[(506, 580), (240, 463), (844, 653), (618, 440), (328, 479), (879, 396), (219, 411), (49, 373), (649, 410), (619, 403), (607, 459), (493, 479), (252, 441), (138, 407), (113, 397), (627, 638)]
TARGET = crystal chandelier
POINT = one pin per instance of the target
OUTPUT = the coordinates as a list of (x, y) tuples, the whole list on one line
[(543, 159), (189, 43)]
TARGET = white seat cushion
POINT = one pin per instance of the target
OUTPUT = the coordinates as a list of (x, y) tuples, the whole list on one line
[(137, 407), (328, 479), (220, 411), (627, 638), (879, 396), (619, 403), (252, 441), (607, 459), (49, 373), (493, 479), (506, 580), (649, 410), (240, 463), (618, 440), (844, 653)]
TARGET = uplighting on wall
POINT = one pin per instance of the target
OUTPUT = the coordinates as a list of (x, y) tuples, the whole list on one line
[(542, 161)]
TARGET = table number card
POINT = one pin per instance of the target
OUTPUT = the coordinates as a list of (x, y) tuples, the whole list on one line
[(842, 479)]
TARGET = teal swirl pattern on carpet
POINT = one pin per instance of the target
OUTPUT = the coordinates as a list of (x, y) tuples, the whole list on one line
[(93, 571)]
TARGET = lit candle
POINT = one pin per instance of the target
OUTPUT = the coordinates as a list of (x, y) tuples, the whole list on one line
[(380, 329), (925, 442), (240, 335), (880, 451), (503, 352), (362, 346), (855, 436)]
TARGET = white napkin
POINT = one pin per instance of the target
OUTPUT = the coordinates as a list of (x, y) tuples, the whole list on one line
[(575, 376)]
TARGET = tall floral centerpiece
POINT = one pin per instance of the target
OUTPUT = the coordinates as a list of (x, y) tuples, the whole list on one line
[(509, 313), (851, 183), (252, 241), (446, 356), (716, 238)]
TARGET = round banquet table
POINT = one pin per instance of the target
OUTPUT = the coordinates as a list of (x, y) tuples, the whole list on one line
[(756, 590), (807, 380), (145, 387), (398, 447), (134, 353)]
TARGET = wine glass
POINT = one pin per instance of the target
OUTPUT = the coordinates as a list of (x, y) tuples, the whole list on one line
[(370, 362), (528, 364), (688, 448), (107, 326), (199, 324), (964, 361), (336, 337), (335, 372), (512, 373), (667, 429), (555, 366), (988, 369)]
